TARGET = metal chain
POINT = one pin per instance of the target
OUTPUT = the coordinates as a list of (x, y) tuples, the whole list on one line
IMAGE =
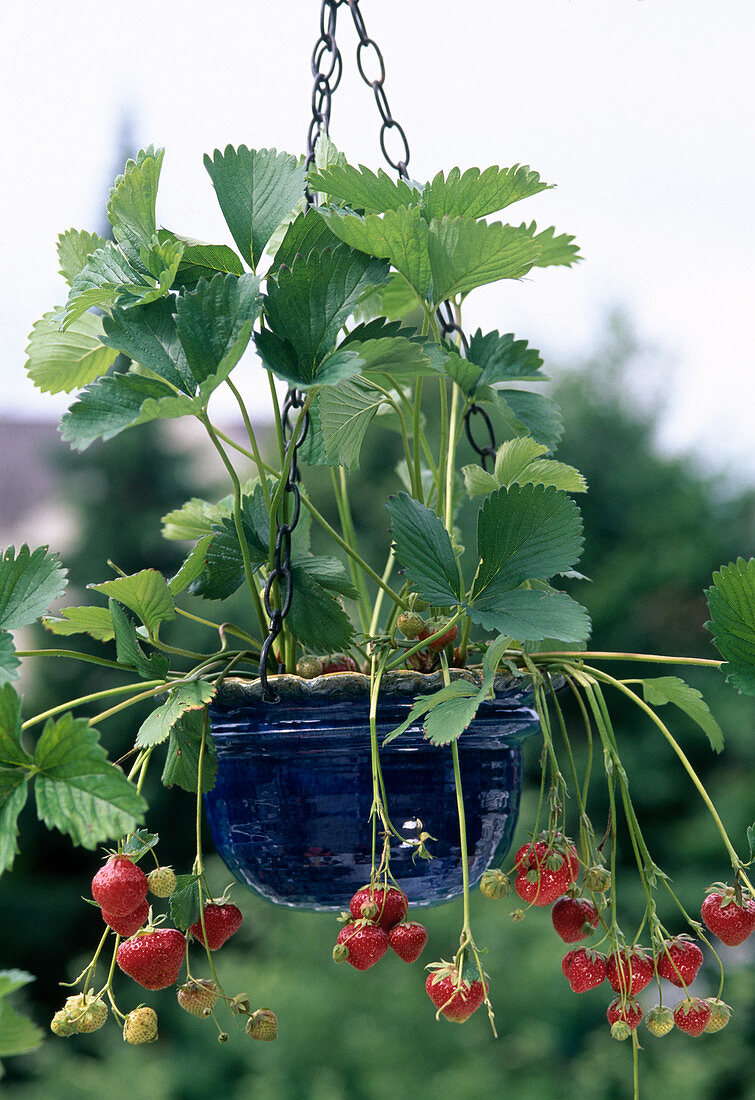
[(281, 572), (368, 47), (327, 69), (485, 451)]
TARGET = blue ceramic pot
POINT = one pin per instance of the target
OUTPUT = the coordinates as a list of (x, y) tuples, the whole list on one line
[(289, 813)]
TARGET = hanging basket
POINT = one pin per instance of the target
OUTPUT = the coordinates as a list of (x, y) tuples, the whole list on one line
[(289, 812)]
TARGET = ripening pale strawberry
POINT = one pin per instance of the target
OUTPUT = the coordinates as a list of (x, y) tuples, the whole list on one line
[(692, 1016), (629, 971), (140, 1026), (221, 921), (309, 667), (162, 882), (93, 1016), (365, 944), (410, 624), (385, 905), (587, 969), (623, 1016), (680, 961), (198, 996), (454, 999), (120, 886), (263, 1025), (720, 1014), (574, 919), (153, 959), (732, 923), (62, 1025), (127, 924), (494, 884)]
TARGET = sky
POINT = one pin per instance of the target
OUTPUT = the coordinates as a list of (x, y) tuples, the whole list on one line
[(639, 110)]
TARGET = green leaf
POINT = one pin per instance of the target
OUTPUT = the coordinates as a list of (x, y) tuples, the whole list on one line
[(78, 790), (146, 593), (525, 532), (193, 519), (182, 698), (128, 650), (539, 416), (400, 236), (224, 564), (116, 402), (191, 567), (59, 362), (504, 358), (476, 194), (12, 752), (131, 203), (28, 585), (316, 618), (305, 233), (362, 189), (182, 762), (75, 247), (148, 335), (530, 615), (519, 462), (200, 260), (448, 719), (465, 254), (9, 662), (94, 621), (11, 980), (256, 189), (307, 304), (214, 324), (478, 481), (139, 843), (107, 275), (558, 251), (672, 689), (18, 1035), (328, 572), (751, 840), (424, 704), (185, 902), (13, 792), (346, 413), (731, 603), (424, 550)]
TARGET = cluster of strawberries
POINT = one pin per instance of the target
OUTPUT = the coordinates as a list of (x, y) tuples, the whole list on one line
[(547, 868), (377, 921), (153, 956)]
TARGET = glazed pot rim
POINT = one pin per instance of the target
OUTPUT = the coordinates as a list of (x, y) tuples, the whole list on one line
[(346, 686)]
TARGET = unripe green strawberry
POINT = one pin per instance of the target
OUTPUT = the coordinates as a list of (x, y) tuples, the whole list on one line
[(720, 1014), (410, 624), (140, 1026), (660, 1021), (416, 603), (198, 997), (494, 884), (263, 1025), (597, 879), (162, 881), (93, 1017), (309, 667), (62, 1024)]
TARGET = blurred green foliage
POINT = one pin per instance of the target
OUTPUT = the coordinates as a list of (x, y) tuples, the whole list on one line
[(657, 526)]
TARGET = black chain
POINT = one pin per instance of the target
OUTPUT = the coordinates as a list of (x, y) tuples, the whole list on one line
[(327, 69), (449, 327), (368, 47), (281, 572)]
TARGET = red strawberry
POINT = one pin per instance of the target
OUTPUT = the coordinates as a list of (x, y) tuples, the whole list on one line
[(732, 923), (338, 662), (574, 919), (221, 920), (692, 1015), (568, 960), (629, 971), (126, 925), (153, 959), (586, 970), (385, 905), (366, 943), (408, 940), (443, 641), (454, 1000), (120, 886), (680, 962), (623, 1016), (545, 870)]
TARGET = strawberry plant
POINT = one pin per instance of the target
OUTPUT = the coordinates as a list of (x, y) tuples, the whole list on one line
[(347, 287)]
